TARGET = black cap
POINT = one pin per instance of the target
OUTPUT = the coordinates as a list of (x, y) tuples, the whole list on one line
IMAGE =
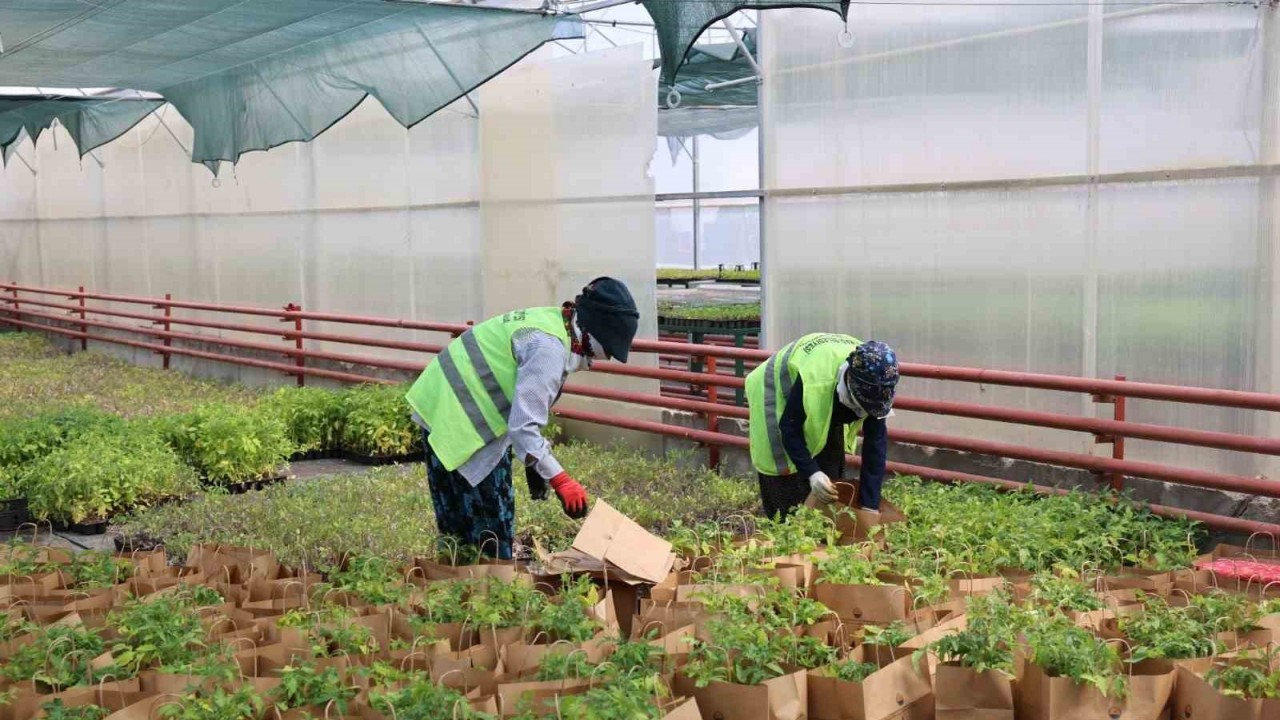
[(607, 312)]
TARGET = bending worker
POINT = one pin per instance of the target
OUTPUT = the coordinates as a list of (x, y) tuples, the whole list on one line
[(489, 395), (807, 404)]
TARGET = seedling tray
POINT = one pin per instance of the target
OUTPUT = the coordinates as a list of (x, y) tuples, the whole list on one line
[(259, 484), (316, 455), (13, 513), (83, 528), (360, 459)]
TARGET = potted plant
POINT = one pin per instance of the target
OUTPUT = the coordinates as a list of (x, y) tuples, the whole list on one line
[(85, 482), (377, 428), (313, 418), (231, 446)]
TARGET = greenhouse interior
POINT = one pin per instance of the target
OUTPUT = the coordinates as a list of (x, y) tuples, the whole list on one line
[(540, 359)]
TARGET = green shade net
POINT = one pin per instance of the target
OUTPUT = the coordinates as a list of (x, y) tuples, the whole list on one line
[(89, 121), (680, 22), (255, 74), (723, 112)]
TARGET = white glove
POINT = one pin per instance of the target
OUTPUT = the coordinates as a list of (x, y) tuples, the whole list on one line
[(822, 488)]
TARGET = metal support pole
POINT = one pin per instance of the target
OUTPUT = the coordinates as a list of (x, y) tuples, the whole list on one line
[(1114, 478), (299, 360), (168, 315), (1117, 446), (697, 208), (16, 315), (713, 420), (84, 341)]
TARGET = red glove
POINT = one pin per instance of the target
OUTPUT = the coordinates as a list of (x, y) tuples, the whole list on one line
[(573, 497)]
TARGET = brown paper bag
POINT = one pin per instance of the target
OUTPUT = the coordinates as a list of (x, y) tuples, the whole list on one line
[(782, 698), (852, 522), (864, 604), (1195, 699), (1044, 697), (964, 694), (898, 691), (617, 540), (683, 710), (513, 696)]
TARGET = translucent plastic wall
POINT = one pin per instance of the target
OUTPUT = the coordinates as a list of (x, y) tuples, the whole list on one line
[(930, 187), (367, 219), (565, 194)]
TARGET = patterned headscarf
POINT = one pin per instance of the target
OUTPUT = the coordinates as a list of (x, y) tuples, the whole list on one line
[(873, 377)]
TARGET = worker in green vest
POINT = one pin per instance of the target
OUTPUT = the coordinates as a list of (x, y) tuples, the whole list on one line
[(488, 395), (807, 404)]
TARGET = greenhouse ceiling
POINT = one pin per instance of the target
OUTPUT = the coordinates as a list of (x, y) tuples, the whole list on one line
[(254, 74)]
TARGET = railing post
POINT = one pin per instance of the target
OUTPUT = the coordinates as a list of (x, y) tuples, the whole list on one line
[(713, 420), (165, 323), (84, 341), (1117, 443), (1114, 479), (16, 315), (298, 359)]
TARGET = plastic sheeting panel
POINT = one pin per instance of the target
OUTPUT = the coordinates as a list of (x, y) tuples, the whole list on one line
[(255, 74), (565, 190), (370, 219), (1164, 281)]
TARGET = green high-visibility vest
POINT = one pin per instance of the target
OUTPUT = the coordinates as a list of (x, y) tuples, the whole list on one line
[(816, 360), (464, 396)]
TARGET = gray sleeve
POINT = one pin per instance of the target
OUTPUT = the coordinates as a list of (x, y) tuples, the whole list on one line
[(540, 370)]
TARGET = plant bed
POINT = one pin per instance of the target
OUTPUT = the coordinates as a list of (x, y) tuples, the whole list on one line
[(376, 424), (693, 324), (377, 460)]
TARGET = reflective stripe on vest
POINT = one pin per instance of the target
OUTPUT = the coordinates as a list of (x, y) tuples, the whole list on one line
[(465, 395), (771, 372), (815, 358)]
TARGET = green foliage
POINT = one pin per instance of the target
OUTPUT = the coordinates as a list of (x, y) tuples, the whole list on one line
[(93, 569), (989, 638), (60, 657), (25, 440), (377, 422), (1063, 650), (564, 665), (727, 312), (312, 416), (307, 685), (158, 631), (422, 699), (386, 513), (216, 703), (500, 604), (57, 710), (751, 640), (372, 579), (229, 444), (104, 473), (569, 617), (41, 378), (981, 530), (1254, 675), (1164, 631), (891, 636), (850, 670), (624, 698), (1222, 611), (849, 565), (1063, 590)]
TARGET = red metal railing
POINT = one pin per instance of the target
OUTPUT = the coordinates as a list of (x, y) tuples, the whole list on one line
[(48, 310)]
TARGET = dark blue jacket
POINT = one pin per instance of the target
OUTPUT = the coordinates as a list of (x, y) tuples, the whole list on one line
[(875, 446)]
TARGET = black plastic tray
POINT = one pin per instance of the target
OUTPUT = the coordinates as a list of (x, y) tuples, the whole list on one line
[(382, 460), (13, 514)]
